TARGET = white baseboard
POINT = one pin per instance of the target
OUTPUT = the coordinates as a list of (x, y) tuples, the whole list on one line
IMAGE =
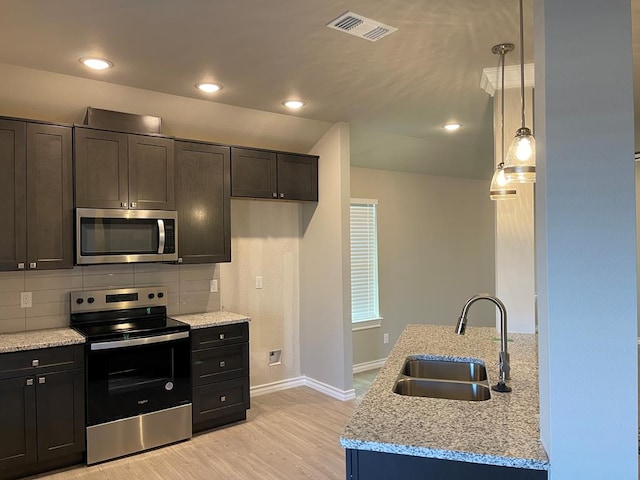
[(334, 392), (303, 381), (365, 366), (277, 386)]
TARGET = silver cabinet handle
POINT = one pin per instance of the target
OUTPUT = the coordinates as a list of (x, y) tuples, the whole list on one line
[(33, 265), (223, 398), (132, 204), (35, 363), (29, 382), (222, 336), (123, 204), (42, 380), (21, 266), (282, 195), (223, 364)]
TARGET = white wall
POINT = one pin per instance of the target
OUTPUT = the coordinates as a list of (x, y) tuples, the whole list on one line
[(585, 238), (435, 250), (265, 241), (325, 304)]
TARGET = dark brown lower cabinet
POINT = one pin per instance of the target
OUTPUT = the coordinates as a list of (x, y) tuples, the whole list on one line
[(368, 465), (220, 369), (42, 414)]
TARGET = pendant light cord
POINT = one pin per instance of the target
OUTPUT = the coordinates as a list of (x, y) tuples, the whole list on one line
[(502, 54), (522, 61)]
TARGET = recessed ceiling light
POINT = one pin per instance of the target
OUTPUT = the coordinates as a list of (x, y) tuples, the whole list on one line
[(294, 104), (208, 87), (96, 63), (452, 127)]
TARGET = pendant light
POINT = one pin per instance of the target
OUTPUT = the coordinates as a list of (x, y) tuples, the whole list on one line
[(520, 165), (500, 188)]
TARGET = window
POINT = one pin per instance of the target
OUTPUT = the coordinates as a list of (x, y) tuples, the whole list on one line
[(364, 263)]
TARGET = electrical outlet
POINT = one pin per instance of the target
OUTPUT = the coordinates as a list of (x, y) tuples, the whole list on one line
[(385, 338), (258, 282), (26, 300), (213, 286)]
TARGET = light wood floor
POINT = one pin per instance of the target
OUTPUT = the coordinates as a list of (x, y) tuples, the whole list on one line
[(292, 434)]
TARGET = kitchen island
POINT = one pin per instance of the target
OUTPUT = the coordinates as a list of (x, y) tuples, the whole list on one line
[(402, 435)]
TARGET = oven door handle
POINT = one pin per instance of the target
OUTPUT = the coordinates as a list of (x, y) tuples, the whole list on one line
[(132, 342)]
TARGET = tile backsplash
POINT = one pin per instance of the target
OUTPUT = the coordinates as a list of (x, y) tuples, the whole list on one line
[(187, 287)]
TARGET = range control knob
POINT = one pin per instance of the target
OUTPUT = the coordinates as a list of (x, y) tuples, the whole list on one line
[(91, 300), (151, 295), (79, 301), (160, 294)]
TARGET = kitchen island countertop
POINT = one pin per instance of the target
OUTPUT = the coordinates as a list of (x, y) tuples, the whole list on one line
[(211, 319), (503, 430)]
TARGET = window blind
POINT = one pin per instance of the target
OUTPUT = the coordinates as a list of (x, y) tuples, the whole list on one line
[(364, 260)]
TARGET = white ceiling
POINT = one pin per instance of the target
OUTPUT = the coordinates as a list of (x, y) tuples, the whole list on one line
[(396, 93)]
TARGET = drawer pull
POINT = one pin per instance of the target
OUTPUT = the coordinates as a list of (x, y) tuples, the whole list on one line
[(223, 398), (222, 336), (29, 382), (42, 380), (35, 363), (223, 364)]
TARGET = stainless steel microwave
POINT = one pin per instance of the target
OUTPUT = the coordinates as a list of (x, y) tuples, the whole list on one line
[(125, 236)]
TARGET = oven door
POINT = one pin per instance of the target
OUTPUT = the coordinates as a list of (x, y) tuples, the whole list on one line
[(126, 378)]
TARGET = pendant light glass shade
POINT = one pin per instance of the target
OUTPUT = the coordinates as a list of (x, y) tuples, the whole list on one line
[(520, 164), (500, 188)]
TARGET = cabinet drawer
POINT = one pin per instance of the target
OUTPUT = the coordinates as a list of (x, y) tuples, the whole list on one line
[(218, 336), (42, 360), (221, 363), (219, 399)]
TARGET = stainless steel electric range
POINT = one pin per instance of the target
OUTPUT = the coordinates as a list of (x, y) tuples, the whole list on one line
[(138, 371)]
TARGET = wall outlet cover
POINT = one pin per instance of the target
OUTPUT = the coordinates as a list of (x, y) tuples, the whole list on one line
[(213, 286), (274, 357), (259, 282), (26, 299)]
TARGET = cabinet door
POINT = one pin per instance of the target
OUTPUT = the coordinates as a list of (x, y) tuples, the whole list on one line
[(49, 197), (220, 399), (298, 177), (253, 173), (101, 169), (13, 250), (18, 420), (60, 414), (221, 363), (151, 169), (202, 201)]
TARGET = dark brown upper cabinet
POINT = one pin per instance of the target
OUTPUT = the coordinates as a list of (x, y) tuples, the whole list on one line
[(120, 170), (36, 196), (202, 177), (275, 175)]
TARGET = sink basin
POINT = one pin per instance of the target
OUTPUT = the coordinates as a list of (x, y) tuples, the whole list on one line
[(421, 387), (444, 370)]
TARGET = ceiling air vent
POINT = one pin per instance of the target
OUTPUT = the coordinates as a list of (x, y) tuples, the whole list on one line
[(360, 26)]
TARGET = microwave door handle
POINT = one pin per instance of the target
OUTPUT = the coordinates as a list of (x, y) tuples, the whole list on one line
[(161, 236)]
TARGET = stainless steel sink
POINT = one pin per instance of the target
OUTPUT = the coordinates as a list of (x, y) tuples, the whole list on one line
[(438, 378), (421, 387), (444, 370)]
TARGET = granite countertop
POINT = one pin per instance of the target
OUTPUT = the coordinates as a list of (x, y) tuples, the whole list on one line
[(211, 319), (503, 430), (55, 337)]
